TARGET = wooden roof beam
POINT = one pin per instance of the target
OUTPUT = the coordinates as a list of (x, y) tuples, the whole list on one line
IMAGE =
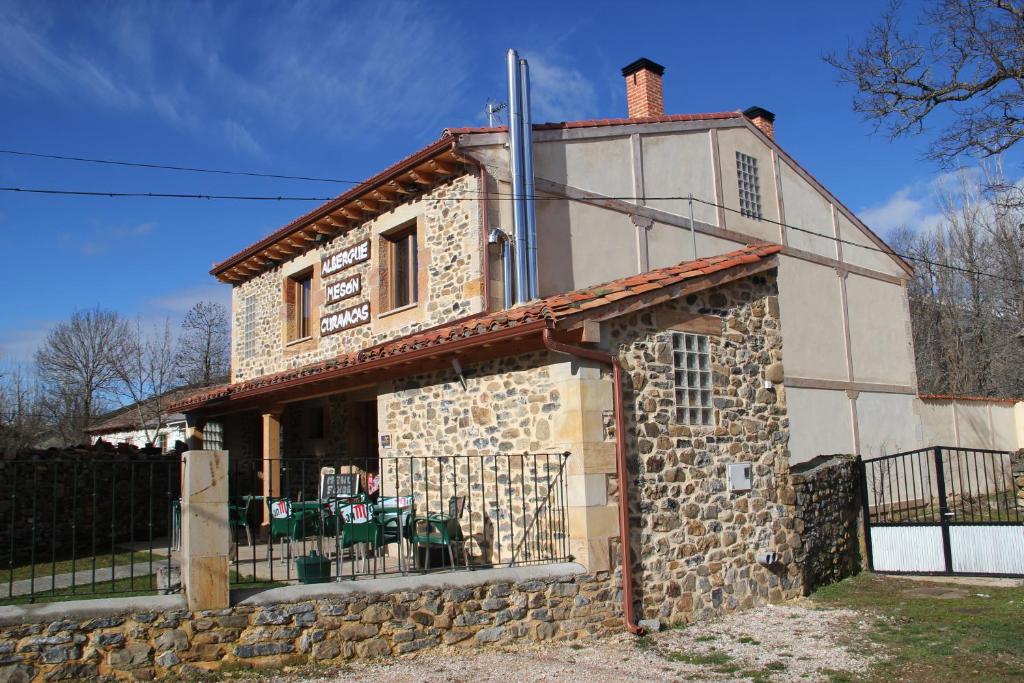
[(368, 205), (403, 188), (422, 177), (442, 168)]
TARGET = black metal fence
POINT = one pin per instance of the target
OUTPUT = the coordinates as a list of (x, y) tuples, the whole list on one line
[(421, 513), (948, 485), (86, 526)]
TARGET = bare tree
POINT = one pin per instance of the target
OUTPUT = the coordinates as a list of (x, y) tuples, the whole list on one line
[(966, 58), (146, 372), (77, 367), (204, 345), (967, 295), (22, 423)]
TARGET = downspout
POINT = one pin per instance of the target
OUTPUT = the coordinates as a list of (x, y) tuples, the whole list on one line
[(620, 463), (499, 236)]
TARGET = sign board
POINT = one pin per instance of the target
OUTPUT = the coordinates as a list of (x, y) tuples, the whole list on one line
[(346, 258), (342, 320), (343, 289), (333, 485), (385, 440)]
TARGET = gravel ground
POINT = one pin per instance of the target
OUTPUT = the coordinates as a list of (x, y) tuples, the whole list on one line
[(775, 643)]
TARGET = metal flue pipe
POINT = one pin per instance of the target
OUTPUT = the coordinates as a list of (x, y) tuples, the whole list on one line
[(500, 237), (529, 203), (515, 149)]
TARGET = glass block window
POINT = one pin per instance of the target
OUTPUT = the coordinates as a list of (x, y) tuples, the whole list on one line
[(750, 190), (249, 327), (691, 355), (213, 436)]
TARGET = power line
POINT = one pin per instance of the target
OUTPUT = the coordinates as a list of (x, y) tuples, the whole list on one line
[(168, 167), (477, 195)]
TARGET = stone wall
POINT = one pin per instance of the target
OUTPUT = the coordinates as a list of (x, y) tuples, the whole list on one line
[(489, 443), (827, 507), (694, 541), (451, 284), (177, 643)]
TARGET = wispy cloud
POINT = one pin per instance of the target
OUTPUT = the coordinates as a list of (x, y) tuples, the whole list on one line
[(334, 69), (177, 303), (918, 206), (559, 92), (91, 243)]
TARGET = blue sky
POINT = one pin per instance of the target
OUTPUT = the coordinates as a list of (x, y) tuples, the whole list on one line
[(342, 90)]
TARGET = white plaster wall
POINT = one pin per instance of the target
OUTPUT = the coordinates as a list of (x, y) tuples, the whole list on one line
[(975, 429), (867, 257), (935, 423), (603, 166), (819, 422), (1004, 427), (806, 208), (878, 332), (731, 140), (677, 165), (138, 437), (579, 245), (670, 244), (812, 321), (887, 424)]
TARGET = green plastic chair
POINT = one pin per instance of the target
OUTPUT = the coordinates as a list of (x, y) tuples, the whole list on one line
[(237, 520), (364, 536), (294, 527), (439, 530)]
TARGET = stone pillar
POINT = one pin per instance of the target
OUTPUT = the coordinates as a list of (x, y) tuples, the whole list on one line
[(271, 459), (579, 427), (1018, 414), (194, 427), (205, 536)]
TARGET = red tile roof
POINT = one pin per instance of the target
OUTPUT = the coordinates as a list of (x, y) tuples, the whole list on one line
[(985, 399), (595, 123), (548, 310)]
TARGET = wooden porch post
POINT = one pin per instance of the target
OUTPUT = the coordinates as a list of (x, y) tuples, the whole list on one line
[(271, 459), (194, 426)]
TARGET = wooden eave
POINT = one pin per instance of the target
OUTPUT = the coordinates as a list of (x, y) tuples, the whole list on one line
[(406, 180)]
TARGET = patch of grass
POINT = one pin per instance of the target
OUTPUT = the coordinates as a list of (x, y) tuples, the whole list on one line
[(705, 639), (79, 564), (747, 640), (775, 666), (926, 638), (834, 676), (713, 658), (121, 588), (643, 643)]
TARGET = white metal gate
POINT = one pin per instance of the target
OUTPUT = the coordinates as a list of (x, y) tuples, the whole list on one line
[(944, 510)]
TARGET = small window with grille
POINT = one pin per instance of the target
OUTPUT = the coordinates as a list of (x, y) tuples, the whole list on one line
[(249, 327), (691, 355), (750, 190)]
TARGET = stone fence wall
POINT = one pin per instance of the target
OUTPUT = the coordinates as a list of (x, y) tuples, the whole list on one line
[(296, 625), (827, 511)]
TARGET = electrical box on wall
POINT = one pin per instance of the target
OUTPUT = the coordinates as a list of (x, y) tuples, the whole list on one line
[(740, 476)]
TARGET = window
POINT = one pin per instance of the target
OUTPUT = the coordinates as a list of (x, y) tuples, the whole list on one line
[(401, 268), (213, 436), (249, 327), (300, 306), (750, 191), (691, 357)]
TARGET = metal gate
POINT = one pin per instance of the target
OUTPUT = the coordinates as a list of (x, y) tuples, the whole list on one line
[(944, 510)]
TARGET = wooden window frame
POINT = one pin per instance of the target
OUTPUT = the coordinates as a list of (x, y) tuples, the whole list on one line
[(299, 298), (391, 274)]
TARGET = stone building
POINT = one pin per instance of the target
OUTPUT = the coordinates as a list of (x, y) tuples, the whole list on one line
[(378, 330)]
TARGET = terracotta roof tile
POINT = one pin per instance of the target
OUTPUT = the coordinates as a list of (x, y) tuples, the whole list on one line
[(551, 308)]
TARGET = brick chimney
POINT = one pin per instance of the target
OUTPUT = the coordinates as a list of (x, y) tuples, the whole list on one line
[(763, 119), (643, 88)]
